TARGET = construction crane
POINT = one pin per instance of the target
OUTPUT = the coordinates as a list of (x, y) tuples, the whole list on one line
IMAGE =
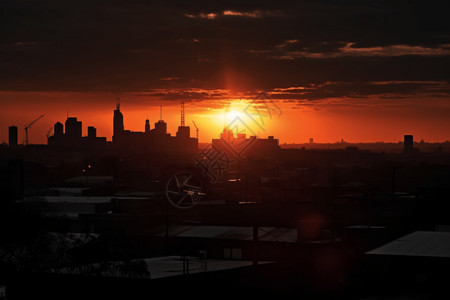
[(196, 128), (28, 126), (49, 132)]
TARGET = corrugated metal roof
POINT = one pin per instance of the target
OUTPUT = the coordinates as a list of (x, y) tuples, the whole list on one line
[(160, 267), (70, 199), (269, 234), (173, 266), (419, 243), (90, 179)]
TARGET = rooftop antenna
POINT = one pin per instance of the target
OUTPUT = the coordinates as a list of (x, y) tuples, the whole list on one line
[(117, 103), (182, 113), (160, 112)]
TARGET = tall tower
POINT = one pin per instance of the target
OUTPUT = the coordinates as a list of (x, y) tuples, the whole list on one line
[(182, 113), (161, 126), (92, 132), (12, 136), (73, 128), (183, 130), (147, 126), (117, 122), (408, 143), (58, 129)]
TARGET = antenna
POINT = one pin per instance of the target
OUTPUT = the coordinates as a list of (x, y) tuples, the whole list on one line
[(160, 112), (182, 113), (117, 103)]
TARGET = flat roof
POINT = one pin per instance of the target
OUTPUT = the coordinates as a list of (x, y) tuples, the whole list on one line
[(168, 266), (418, 243), (90, 179), (161, 267), (70, 199), (269, 234)]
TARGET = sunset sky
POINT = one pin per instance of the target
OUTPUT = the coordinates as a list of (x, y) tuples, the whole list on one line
[(355, 70)]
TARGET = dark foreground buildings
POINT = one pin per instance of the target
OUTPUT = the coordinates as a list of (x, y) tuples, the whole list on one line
[(303, 223)]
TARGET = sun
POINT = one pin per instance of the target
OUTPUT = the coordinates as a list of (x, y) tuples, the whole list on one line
[(233, 114)]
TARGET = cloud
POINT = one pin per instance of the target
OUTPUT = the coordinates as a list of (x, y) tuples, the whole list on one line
[(232, 13), (250, 14), (90, 46), (350, 50)]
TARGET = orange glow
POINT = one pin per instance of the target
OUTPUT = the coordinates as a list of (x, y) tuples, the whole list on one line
[(329, 120)]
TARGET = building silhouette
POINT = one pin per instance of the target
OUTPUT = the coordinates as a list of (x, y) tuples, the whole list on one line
[(241, 146), (408, 143), (58, 129), (117, 123), (12, 135), (156, 140), (92, 132), (147, 126), (73, 128), (72, 137)]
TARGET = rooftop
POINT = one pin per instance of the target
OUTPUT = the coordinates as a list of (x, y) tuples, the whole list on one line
[(419, 243)]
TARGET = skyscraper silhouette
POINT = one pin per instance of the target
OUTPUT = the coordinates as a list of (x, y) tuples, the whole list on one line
[(147, 126), (73, 128), (12, 136), (117, 122), (408, 143), (58, 129), (92, 132)]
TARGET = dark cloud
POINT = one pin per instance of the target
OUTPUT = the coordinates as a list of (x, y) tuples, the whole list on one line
[(124, 46)]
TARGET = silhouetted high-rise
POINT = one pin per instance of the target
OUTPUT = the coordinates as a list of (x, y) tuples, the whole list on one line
[(161, 127), (92, 132), (73, 139), (147, 126), (184, 132), (117, 122), (156, 140), (73, 128), (58, 129), (408, 144), (12, 136)]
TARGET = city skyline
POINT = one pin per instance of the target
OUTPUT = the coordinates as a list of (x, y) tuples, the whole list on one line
[(362, 72), (272, 148), (213, 118)]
